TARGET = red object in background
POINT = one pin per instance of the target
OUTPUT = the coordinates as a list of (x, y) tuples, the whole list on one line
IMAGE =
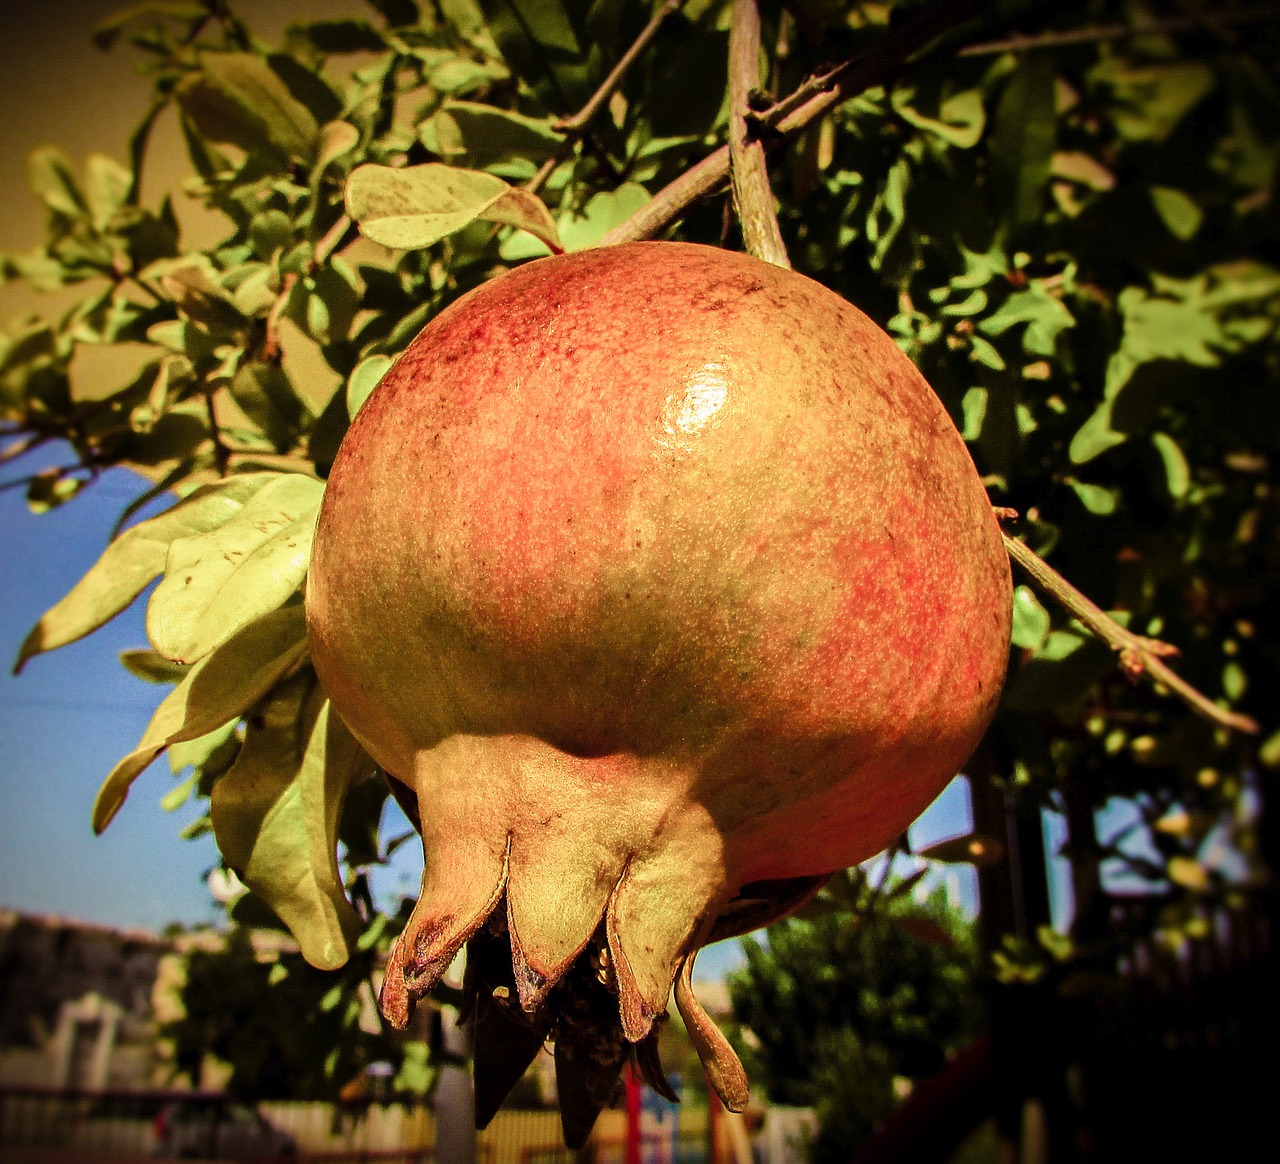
[(633, 1116)]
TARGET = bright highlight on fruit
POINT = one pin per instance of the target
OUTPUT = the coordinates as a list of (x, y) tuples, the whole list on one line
[(662, 585)]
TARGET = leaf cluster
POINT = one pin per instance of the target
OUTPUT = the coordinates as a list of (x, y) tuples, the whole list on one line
[(864, 993)]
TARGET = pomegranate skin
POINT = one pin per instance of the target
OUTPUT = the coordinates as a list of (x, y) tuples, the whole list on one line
[(653, 571)]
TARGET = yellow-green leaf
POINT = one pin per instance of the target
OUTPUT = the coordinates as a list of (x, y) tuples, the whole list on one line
[(275, 816), (1177, 472), (1177, 210), (1030, 620), (419, 205), (133, 560), (52, 180), (218, 581), (364, 378), (221, 688), (1187, 872), (336, 139), (251, 100)]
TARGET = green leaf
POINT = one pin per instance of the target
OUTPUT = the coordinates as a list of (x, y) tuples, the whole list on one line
[(419, 205), (486, 138), (1221, 311), (196, 753), (601, 214), (462, 76), (106, 32), (270, 231), (176, 797), (222, 687), (973, 408), (1061, 672), (1153, 98), (107, 187), (152, 666), (1095, 436), (1045, 315), (52, 180), (1023, 141), (192, 284), (133, 560), (239, 99), (332, 300), (337, 138), (1083, 169), (275, 816), (889, 211), (364, 378), (957, 118), (1030, 620), (1234, 680), (337, 36), (1177, 473), (1095, 498), (984, 352), (1178, 211), (545, 47), (267, 396), (218, 581)]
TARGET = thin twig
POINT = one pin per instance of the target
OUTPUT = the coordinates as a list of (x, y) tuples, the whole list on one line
[(271, 347), (874, 67), (700, 181), (19, 482), (221, 454), (578, 122), (575, 126), (333, 240), (749, 172), (1103, 32), (293, 462), (1138, 655), (795, 111), (25, 445)]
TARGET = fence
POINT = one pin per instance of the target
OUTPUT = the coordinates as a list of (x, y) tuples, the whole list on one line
[(46, 1126)]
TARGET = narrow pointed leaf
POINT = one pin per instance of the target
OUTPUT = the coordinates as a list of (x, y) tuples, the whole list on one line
[(238, 98), (221, 688), (133, 560), (275, 816), (52, 180), (1023, 143)]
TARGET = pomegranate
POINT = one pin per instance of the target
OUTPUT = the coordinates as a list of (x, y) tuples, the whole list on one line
[(661, 585)]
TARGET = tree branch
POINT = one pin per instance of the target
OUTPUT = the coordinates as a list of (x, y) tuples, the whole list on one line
[(578, 122), (221, 454), (876, 66), (1138, 655), (334, 239), (749, 173), (575, 127), (24, 445), (1216, 20), (795, 111)]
